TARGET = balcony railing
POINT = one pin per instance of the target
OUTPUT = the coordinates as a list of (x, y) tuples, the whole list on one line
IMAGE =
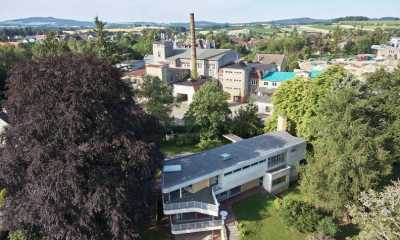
[(193, 205), (197, 226)]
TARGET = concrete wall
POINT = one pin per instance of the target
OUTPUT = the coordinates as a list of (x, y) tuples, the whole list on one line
[(262, 108), (254, 173), (186, 90), (249, 185), (270, 177), (162, 50), (268, 84), (200, 185)]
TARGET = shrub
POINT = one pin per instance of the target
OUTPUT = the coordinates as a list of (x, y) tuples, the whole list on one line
[(2, 197), (244, 232), (17, 235), (208, 143), (277, 203), (300, 215), (327, 227)]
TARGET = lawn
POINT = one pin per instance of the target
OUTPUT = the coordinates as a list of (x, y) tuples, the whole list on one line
[(262, 221), (171, 148)]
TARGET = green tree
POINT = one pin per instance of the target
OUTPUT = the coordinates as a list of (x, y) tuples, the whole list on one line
[(89, 177), (101, 45), (381, 108), (299, 99), (144, 45), (378, 213), (246, 122), (209, 111), (51, 46), (157, 98), (348, 156)]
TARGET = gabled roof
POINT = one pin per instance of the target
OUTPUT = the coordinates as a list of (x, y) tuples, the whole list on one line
[(277, 59), (202, 54), (202, 164)]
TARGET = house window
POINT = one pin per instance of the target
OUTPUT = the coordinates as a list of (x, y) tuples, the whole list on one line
[(274, 84), (265, 83), (228, 173), (278, 181), (276, 160), (214, 181), (246, 167)]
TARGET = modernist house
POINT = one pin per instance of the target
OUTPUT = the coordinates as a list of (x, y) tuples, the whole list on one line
[(194, 186)]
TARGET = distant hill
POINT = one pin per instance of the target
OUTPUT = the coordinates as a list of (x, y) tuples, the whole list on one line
[(298, 21), (69, 23), (362, 18), (52, 22), (45, 22)]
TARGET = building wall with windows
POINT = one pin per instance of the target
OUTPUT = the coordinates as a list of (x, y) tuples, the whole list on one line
[(234, 80)]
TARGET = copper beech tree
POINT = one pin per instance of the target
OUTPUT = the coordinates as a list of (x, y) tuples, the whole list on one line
[(79, 154)]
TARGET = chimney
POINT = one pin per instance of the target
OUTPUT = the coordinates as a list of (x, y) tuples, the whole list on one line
[(282, 124), (193, 46)]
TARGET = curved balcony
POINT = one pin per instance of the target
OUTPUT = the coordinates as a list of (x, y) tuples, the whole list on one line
[(198, 226), (203, 202)]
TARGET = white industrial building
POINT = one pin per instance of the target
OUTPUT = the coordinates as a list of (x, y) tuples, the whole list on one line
[(194, 186)]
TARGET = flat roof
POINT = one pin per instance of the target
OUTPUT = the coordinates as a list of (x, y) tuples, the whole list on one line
[(201, 164), (286, 76), (279, 76)]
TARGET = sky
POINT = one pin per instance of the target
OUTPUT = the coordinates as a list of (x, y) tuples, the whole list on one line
[(211, 10)]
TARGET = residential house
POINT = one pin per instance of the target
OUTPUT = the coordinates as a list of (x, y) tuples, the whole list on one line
[(194, 186), (277, 59)]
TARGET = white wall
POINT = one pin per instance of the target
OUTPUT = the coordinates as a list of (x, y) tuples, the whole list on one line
[(181, 89)]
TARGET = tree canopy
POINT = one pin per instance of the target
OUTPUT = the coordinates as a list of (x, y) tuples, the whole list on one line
[(378, 213), (209, 111), (298, 100), (9, 55), (348, 157), (246, 123), (79, 154), (157, 98)]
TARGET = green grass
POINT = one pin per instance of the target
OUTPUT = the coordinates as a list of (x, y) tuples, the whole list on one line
[(262, 221), (171, 148)]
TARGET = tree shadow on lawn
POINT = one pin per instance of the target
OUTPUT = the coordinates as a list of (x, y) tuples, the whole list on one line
[(348, 230), (254, 208)]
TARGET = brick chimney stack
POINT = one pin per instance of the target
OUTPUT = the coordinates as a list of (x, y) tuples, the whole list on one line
[(194, 73)]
